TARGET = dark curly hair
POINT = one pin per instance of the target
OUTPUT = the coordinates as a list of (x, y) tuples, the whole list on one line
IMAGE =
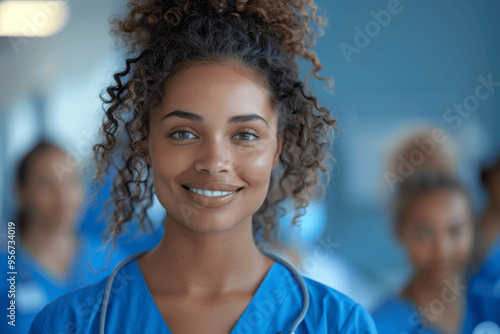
[(263, 36)]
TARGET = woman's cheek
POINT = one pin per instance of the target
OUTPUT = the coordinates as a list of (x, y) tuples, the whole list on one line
[(256, 166), (420, 253), (465, 248)]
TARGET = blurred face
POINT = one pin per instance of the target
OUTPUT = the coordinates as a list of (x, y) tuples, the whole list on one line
[(52, 192), (438, 234), (212, 147)]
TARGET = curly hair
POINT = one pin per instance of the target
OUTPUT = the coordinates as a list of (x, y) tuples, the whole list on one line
[(263, 36)]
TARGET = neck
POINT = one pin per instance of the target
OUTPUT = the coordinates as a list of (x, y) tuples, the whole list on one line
[(449, 290), (441, 302), (212, 262), (492, 209), (488, 229), (43, 238)]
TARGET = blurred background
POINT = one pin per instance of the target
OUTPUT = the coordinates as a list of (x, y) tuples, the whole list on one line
[(420, 66)]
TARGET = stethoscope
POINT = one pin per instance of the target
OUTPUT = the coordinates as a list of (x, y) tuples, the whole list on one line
[(300, 280)]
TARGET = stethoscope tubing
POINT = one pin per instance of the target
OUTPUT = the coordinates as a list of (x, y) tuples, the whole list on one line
[(290, 267)]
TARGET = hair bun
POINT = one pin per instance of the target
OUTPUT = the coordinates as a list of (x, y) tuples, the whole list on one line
[(287, 22)]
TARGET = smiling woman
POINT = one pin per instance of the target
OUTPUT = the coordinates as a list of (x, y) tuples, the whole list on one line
[(227, 144), (214, 120)]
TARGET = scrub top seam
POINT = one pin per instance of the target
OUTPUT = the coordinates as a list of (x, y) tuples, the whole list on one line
[(277, 311), (130, 318), (43, 324), (355, 307)]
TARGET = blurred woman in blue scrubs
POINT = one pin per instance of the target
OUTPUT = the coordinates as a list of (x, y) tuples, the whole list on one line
[(50, 258), (434, 222), (484, 286), (218, 124)]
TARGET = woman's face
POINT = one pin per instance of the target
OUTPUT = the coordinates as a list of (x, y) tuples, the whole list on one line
[(437, 232), (215, 130), (52, 192)]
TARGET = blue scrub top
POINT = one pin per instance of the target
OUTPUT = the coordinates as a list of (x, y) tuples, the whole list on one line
[(484, 289), (399, 315), (273, 308), (35, 286)]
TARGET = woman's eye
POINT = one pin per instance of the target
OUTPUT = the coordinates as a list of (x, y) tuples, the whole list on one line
[(183, 132), (455, 231), (422, 233), (246, 134)]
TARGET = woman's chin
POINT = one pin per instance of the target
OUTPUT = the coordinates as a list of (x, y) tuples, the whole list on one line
[(441, 276), (211, 228)]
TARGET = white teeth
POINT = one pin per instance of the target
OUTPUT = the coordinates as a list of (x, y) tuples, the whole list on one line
[(210, 193)]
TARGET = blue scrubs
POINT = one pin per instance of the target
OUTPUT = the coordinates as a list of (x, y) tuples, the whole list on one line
[(484, 289), (34, 286), (273, 308), (399, 315)]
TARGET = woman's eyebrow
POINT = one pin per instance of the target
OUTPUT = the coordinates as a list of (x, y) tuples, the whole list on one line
[(198, 118)]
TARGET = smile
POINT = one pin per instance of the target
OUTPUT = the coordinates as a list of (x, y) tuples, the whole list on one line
[(210, 193), (211, 198)]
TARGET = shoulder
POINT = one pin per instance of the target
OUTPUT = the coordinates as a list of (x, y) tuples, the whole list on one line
[(395, 314), (345, 311), (76, 310), (79, 310)]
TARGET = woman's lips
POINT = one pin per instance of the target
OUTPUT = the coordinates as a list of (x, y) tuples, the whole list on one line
[(212, 201)]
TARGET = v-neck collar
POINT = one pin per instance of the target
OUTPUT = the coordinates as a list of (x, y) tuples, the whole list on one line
[(257, 316), (430, 327), (24, 255)]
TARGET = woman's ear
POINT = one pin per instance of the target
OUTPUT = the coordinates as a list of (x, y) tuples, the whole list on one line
[(278, 150), (401, 235), (147, 154), (21, 194)]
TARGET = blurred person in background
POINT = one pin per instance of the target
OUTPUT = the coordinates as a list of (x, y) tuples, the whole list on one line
[(424, 147), (434, 222), (50, 257), (484, 286)]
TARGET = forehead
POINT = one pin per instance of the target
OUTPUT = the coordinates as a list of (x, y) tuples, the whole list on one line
[(211, 86), (48, 161), (440, 205)]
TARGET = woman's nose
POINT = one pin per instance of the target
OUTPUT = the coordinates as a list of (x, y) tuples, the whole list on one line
[(214, 157), (443, 247)]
